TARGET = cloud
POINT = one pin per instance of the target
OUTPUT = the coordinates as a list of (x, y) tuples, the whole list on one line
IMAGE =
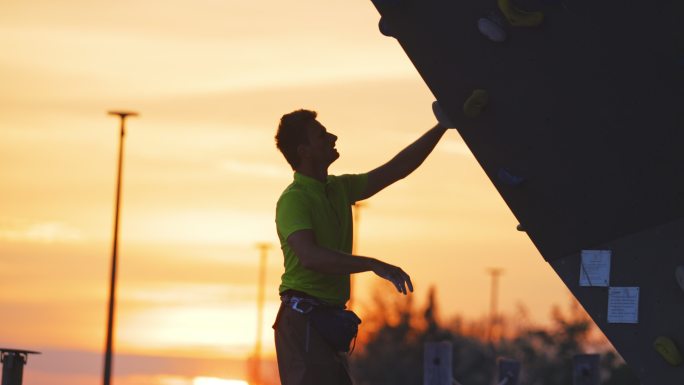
[(190, 294), (93, 59), (447, 144), (201, 226), (47, 232), (457, 147), (266, 170)]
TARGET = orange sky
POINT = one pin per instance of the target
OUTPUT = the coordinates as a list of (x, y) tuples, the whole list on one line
[(201, 176)]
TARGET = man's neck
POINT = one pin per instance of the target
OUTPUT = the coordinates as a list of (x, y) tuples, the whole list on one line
[(320, 174)]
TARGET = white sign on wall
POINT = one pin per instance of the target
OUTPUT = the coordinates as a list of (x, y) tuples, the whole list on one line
[(595, 268)]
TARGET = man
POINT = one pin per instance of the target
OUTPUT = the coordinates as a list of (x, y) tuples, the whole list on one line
[(314, 224)]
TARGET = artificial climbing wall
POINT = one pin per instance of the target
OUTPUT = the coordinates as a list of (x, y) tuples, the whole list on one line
[(575, 110)]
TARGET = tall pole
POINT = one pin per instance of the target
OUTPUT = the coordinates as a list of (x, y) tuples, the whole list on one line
[(263, 248), (355, 235), (493, 301), (112, 282)]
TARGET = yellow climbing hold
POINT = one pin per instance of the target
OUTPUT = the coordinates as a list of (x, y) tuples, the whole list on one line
[(667, 348), (518, 17), (476, 103)]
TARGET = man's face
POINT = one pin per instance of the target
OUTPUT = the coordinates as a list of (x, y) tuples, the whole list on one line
[(321, 144)]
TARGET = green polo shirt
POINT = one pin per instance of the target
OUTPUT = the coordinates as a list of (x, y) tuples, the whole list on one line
[(325, 208)]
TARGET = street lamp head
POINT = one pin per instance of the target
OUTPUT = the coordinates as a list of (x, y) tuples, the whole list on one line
[(122, 114)]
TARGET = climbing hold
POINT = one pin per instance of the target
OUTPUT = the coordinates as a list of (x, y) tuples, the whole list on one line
[(679, 275), (475, 103), (442, 118), (497, 17), (518, 17), (668, 350), (520, 227), (491, 30), (509, 179), (385, 29)]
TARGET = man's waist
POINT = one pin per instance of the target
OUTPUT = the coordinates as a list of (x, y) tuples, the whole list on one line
[(333, 291), (303, 302)]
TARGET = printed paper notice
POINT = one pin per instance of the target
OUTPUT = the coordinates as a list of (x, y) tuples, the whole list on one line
[(595, 268), (623, 305)]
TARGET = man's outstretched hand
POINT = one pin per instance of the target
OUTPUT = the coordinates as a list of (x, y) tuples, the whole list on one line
[(441, 116), (394, 274)]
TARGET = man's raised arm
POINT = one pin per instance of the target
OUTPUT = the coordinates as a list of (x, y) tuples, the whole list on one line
[(404, 163)]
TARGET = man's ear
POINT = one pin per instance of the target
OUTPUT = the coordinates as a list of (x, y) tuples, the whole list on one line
[(303, 151)]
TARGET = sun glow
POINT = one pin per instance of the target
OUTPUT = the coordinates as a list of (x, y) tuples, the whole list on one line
[(217, 381), (217, 327)]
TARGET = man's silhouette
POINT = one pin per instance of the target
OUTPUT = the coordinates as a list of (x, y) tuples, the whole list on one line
[(314, 224)]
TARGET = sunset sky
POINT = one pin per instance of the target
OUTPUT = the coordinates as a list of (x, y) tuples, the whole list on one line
[(210, 80)]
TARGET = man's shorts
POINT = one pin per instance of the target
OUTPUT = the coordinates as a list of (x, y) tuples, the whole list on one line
[(304, 358)]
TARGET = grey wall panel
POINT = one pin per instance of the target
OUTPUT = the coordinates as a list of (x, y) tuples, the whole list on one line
[(588, 108)]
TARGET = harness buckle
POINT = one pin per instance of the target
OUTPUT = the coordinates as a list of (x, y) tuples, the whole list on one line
[(295, 305)]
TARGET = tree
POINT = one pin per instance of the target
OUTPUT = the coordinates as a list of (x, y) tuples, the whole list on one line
[(394, 333), (392, 351)]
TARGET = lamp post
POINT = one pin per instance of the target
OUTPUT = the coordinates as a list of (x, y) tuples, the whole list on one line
[(493, 302), (355, 234), (263, 248), (112, 283)]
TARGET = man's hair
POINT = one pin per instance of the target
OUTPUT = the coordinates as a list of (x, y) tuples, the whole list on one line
[(293, 132)]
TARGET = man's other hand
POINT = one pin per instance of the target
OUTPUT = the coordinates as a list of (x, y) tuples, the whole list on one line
[(394, 274)]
